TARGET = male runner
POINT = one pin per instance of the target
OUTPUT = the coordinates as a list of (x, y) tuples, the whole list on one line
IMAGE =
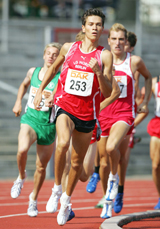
[(77, 102), (117, 119), (35, 126), (124, 160), (153, 129)]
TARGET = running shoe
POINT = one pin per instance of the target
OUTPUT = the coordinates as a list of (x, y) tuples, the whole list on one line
[(64, 211), (158, 205), (112, 188), (107, 210), (92, 184), (52, 203), (18, 185), (118, 203), (71, 215), (32, 209), (101, 202)]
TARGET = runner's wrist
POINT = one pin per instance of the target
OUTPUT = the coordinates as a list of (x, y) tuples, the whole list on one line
[(99, 74)]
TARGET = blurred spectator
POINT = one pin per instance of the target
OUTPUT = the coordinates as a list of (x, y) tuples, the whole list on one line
[(34, 7), (58, 8), (19, 8)]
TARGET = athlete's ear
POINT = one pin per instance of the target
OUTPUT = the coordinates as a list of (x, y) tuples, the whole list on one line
[(43, 56), (108, 41), (83, 28)]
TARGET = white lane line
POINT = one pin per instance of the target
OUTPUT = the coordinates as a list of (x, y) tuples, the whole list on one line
[(77, 209), (44, 202), (91, 200), (8, 216), (77, 201), (42, 212), (84, 201), (11, 89)]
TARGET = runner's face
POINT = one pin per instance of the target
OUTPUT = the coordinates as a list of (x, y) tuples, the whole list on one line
[(93, 27), (117, 42), (50, 56)]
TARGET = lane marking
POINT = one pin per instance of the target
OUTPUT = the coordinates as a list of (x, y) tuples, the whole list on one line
[(92, 200), (77, 209), (42, 212), (11, 89), (82, 201)]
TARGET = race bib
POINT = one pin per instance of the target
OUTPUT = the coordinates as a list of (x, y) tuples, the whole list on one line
[(32, 94), (79, 83), (122, 83)]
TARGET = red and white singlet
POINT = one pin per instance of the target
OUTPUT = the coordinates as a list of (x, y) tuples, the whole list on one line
[(153, 127), (123, 108), (78, 90), (157, 99)]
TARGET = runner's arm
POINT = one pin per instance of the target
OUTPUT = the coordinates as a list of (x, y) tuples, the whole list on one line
[(114, 95), (105, 80), (139, 65), (22, 91), (51, 72), (105, 77), (50, 100)]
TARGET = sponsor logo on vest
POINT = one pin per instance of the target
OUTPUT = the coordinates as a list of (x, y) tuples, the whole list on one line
[(34, 91), (51, 85), (118, 79), (83, 57), (81, 75)]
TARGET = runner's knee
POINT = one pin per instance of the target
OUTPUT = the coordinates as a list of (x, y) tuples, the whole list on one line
[(40, 168), (76, 165), (103, 164), (22, 151), (63, 145), (155, 166), (110, 149)]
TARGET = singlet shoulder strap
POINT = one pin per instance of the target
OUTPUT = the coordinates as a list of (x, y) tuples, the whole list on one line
[(158, 77), (35, 74)]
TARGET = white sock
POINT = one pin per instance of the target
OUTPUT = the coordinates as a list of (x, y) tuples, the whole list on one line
[(113, 177), (32, 198), (66, 197), (57, 187)]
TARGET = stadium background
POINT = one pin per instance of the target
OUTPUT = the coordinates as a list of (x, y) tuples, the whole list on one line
[(27, 25)]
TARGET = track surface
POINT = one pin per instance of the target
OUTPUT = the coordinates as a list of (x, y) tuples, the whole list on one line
[(140, 196)]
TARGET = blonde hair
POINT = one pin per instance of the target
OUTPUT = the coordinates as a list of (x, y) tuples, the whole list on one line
[(53, 44), (118, 27), (80, 36)]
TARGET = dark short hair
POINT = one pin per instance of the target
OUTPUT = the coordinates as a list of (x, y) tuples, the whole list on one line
[(132, 38), (92, 12)]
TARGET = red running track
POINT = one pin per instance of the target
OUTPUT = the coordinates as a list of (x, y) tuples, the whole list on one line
[(140, 196)]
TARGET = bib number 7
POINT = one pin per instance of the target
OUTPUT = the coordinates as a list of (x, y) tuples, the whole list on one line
[(122, 83)]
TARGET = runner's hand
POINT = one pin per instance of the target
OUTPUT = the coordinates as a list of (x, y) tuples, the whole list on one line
[(93, 64), (17, 108), (37, 100), (46, 94), (142, 108), (49, 101)]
